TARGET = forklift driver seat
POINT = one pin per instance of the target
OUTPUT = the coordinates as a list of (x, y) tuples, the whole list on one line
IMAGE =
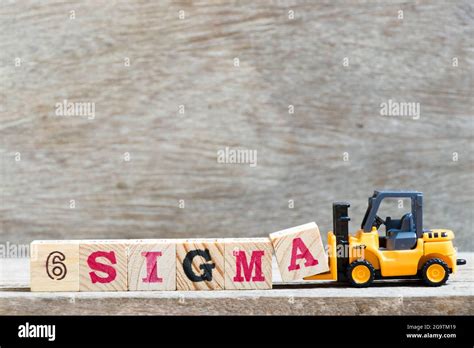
[(403, 238)]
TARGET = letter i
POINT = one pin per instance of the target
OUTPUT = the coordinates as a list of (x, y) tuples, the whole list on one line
[(152, 267)]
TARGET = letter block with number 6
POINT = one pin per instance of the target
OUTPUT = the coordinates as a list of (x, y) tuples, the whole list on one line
[(248, 264), (299, 252), (54, 265), (103, 265)]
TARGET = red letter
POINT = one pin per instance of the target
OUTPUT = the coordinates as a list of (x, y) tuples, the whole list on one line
[(151, 267), (93, 264), (304, 253), (255, 261)]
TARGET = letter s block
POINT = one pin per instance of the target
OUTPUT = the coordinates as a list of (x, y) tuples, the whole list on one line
[(152, 265), (103, 265), (200, 264), (299, 252), (248, 264), (54, 265)]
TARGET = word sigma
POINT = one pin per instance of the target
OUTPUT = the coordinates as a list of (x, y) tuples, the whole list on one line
[(167, 264)]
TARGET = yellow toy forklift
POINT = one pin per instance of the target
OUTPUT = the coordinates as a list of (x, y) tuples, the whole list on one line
[(405, 251)]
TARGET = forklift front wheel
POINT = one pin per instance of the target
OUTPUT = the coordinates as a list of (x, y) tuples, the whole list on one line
[(435, 272), (361, 273)]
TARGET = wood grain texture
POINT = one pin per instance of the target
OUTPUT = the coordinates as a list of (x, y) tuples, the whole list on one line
[(54, 266), (190, 62), (259, 268), (207, 265), (309, 253), (164, 271), (112, 254)]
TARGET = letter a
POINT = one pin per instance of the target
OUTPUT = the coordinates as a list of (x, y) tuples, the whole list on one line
[(300, 251)]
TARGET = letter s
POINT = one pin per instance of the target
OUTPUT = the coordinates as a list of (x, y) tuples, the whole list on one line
[(97, 266)]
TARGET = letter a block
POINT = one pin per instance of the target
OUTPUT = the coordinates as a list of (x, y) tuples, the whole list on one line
[(299, 252), (103, 266), (54, 265), (248, 264), (152, 265), (200, 264)]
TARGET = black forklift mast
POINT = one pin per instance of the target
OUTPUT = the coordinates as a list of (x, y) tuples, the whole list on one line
[(340, 219)]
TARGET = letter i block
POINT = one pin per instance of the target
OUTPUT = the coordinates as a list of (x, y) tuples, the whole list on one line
[(152, 265), (200, 264), (54, 265), (299, 252), (103, 265), (248, 264)]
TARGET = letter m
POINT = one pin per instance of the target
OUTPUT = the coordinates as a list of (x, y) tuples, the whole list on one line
[(241, 264)]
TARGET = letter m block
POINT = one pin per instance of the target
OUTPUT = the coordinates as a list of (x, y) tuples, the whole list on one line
[(248, 264)]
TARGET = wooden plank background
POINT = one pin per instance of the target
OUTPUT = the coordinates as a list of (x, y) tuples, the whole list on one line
[(190, 62)]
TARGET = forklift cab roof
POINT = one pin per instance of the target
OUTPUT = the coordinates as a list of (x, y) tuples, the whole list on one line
[(378, 196)]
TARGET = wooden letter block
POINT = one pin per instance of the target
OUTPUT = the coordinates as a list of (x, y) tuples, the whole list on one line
[(103, 265), (152, 265), (200, 264), (54, 265), (299, 252), (248, 264)]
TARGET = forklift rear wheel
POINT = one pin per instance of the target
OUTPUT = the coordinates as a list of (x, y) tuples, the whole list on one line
[(361, 273), (435, 272)]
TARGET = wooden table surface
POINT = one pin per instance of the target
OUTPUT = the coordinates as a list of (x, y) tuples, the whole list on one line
[(308, 298)]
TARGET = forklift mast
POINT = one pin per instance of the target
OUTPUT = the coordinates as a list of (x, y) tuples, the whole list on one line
[(341, 220)]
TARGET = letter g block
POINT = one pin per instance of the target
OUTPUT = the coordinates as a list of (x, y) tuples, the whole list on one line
[(200, 264)]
